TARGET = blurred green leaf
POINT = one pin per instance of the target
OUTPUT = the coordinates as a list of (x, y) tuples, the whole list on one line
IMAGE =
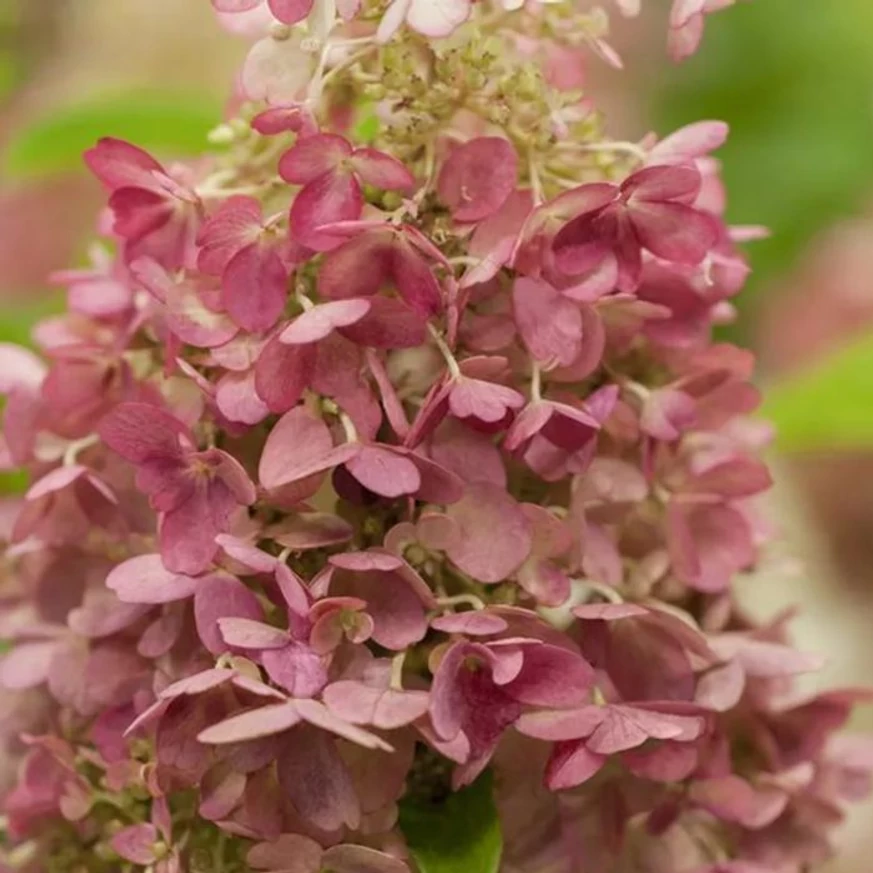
[(797, 90), (829, 405), (461, 833), (174, 125)]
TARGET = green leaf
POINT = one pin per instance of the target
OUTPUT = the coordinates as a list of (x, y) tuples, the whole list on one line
[(829, 405), (172, 125), (459, 835)]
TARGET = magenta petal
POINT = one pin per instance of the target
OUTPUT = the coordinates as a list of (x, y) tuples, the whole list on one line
[(291, 853), (234, 226), (415, 280), (335, 196), (317, 782), (255, 287), (552, 677), (478, 178), (145, 579), (662, 183), (495, 534), (283, 373)]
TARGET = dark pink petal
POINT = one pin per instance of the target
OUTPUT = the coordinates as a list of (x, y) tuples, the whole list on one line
[(381, 171), (220, 597), (254, 724), (118, 164), (549, 323), (495, 534), (478, 178), (290, 11), (627, 727), (415, 280), (145, 579), (319, 322), (317, 782), (484, 401), (279, 119), (389, 324), (313, 157), (255, 287), (674, 231), (360, 267), (667, 761), (140, 432), (658, 184), (494, 238), (137, 843), (384, 472), (571, 764), (283, 373), (333, 197), (552, 677)]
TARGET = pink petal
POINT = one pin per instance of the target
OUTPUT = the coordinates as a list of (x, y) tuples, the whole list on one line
[(318, 715), (27, 665), (319, 322), (361, 859), (290, 11), (294, 117), (136, 843), (237, 399), (291, 853), (333, 197), (657, 184), (389, 324), (764, 658), (297, 668), (220, 597), (144, 579), (220, 792), (243, 633), (479, 177), (674, 231), (117, 163), (552, 677), (386, 709), (283, 373), (277, 70), (692, 141), (235, 225), (381, 171), (572, 764), (317, 782), (264, 721), (495, 534), (549, 323), (297, 447), (494, 238), (254, 287), (313, 157), (19, 368), (384, 472), (140, 432), (471, 623)]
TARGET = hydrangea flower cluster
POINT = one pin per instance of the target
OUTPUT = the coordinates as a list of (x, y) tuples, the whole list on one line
[(389, 445)]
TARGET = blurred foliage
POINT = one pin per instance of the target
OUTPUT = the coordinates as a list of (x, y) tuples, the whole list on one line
[(827, 406), (795, 82), (174, 125)]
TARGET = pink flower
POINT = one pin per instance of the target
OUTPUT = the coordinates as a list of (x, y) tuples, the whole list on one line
[(331, 172), (481, 689), (153, 212), (195, 492), (686, 25), (650, 210)]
